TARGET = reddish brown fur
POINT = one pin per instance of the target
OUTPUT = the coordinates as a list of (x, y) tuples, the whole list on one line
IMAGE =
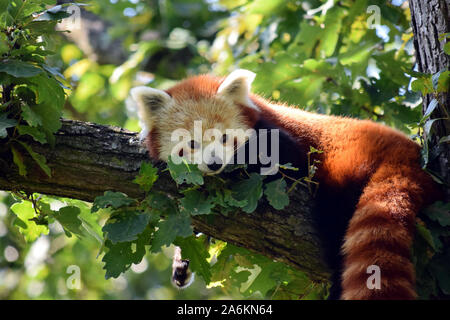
[(152, 142), (194, 88), (378, 163)]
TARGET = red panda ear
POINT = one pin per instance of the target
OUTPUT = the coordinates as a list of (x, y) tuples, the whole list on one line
[(237, 87), (149, 102)]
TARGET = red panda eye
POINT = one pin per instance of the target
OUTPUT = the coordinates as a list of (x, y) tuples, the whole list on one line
[(181, 152), (224, 138)]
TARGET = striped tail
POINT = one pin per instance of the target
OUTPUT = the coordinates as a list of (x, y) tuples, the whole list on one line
[(377, 244)]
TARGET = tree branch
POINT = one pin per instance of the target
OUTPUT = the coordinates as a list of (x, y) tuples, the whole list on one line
[(89, 159)]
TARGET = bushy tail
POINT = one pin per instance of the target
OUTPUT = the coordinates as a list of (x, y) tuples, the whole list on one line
[(377, 244)]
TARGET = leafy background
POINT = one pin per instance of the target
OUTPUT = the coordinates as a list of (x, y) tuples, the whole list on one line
[(324, 56)]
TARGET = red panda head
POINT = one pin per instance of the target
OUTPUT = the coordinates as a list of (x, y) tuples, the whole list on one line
[(203, 119)]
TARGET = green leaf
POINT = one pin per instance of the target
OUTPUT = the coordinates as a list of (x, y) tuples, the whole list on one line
[(147, 176), (314, 150), (443, 82), (426, 235), (111, 199), (118, 259), (184, 172), (264, 7), (68, 218), (431, 106), (19, 69), (440, 81), (356, 54), (288, 166), (3, 43), (125, 226), (194, 249), (50, 100), (224, 198), (20, 9), (89, 222), (30, 116), (439, 212), (274, 75), (331, 31), (265, 273), (175, 225), (248, 271), (18, 160), (224, 270), (37, 134), (55, 13), (275, 192), (29, 52), (51, 140), (3, 5), (38, 158), (53, 71), (5, 123), (120, 256), (417, 85), (196, 203), (270, 275), (28, 227), (447, 48), (428, 125), (228, 198), (162, 203), (250, 190), (49, 115), (423, 84), (306, 38), (5, 19)]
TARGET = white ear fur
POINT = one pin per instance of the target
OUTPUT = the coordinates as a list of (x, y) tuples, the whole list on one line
[(148, 101), (237, 87)]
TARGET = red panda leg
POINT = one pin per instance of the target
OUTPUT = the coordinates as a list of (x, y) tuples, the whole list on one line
[(377, 244)]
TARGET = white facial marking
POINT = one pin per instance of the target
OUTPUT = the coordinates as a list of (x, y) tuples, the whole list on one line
[(149, 101)]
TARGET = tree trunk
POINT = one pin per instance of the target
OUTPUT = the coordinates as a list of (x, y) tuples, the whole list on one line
[(89, 159), (430, 20)]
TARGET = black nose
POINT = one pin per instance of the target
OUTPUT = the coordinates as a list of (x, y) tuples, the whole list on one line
[(216, 164)]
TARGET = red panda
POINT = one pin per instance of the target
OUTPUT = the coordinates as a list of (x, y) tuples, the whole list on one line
[(371, 185)]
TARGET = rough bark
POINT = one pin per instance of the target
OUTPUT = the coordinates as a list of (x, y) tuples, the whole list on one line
[(89, 159), (431, 19)]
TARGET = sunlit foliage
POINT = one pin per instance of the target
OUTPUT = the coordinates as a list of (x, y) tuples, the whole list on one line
[(351, 58)]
